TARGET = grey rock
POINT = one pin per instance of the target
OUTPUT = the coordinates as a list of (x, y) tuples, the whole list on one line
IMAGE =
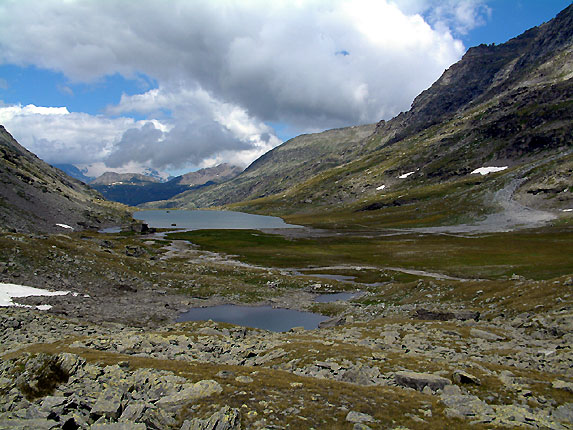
[(70, 363), (108, 404), (466, 406), (359, 417), (196, 391), (332, 322), (563, 385), (486, 335), (133, 412), (420, 380), (564, 413), (158, 419), (360, 374), (25, 424), (119, 426), (461, 377), (52, 403), (451, 390), (225, 419)]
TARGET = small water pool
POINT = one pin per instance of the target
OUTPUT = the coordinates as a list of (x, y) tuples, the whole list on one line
[(334, 297), (263, 317)]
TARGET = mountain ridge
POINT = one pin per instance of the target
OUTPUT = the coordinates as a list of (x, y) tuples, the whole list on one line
[(507, 104), (134, 189), (36, 197)]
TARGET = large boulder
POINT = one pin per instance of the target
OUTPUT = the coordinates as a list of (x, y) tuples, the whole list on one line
[(199, 390), (419, 381)]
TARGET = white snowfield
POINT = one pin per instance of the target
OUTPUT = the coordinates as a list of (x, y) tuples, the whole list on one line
[(381, 187), (65, 226), (9, 291), (405, 175), (485, 170)]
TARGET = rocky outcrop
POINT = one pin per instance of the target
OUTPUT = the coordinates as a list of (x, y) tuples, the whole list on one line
[(109, 397)]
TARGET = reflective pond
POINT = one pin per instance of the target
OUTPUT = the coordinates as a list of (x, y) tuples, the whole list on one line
[(263, 317)]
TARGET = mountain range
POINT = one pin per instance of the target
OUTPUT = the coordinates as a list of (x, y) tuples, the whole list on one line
[(507, 105), (134, 189), (505, 110)]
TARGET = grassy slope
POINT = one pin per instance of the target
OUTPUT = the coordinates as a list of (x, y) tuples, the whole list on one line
[(539, 254)]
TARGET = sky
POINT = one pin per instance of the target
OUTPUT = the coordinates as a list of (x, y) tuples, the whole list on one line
[(177, 85)]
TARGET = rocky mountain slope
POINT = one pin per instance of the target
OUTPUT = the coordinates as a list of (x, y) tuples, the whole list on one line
[(134, 189), (36, 197), (505, 106), (217, 174), (281, 168)]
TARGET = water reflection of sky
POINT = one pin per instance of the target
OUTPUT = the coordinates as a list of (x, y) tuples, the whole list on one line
[(264, 317), (204, 219)]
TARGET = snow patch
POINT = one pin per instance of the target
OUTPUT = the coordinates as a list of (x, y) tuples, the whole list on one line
[(9, 291), (567, 210), (405, 175), (485, 170), (381, 187), (65, 226)]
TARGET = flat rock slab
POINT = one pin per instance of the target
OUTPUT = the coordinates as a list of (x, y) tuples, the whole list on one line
[(486, 335), (108, 404), (196, 391), (420, 380), (359, 417)]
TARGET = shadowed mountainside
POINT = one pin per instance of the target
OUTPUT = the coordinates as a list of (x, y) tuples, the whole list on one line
[(35, 196), (134, 189)]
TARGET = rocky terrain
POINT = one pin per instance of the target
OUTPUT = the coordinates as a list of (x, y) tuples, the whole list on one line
[(450, 225), (421, 350), (36, 197)]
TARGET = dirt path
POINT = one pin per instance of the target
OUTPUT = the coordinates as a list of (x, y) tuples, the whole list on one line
[(512, 216)]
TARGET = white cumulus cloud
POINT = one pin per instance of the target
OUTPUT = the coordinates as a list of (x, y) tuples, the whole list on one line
[(59, 136), (225, 69)]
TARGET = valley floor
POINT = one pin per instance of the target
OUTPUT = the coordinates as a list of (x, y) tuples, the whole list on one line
[(448, 331)]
